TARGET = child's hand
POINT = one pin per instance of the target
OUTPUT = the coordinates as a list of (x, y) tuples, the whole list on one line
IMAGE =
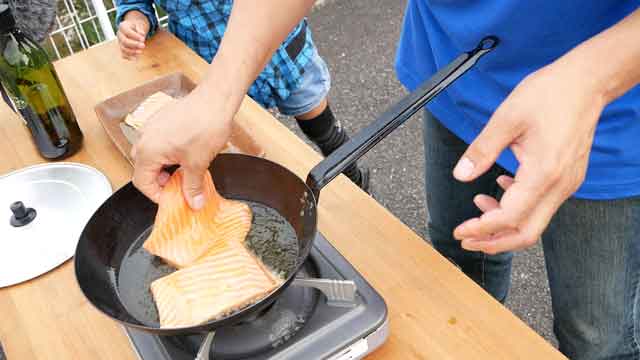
[(132, 33)]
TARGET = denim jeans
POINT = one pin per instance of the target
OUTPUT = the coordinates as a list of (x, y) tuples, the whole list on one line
[(591, 248), (313, 88)]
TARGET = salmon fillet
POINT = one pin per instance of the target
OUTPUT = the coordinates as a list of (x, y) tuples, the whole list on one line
[(146, 109), (180, 235), (228, 278), (216, 273), (150, 106)]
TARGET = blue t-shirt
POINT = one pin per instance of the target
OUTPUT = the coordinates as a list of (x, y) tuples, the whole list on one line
[(532, 34)]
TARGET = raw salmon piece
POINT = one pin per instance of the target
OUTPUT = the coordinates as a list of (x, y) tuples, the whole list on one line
[(146, 109), (150, 106), (181, 235), (227, 279)]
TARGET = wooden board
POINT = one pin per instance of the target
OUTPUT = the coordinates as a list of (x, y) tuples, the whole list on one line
[(435, 311)]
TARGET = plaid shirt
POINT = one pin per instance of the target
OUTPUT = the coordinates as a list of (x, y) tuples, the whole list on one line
[(201, 25)]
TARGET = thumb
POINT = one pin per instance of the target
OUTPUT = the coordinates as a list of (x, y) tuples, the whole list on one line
[(485, 149), (192, 187)]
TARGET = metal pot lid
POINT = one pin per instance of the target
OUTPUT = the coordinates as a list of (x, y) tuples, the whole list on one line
[(43, 209)]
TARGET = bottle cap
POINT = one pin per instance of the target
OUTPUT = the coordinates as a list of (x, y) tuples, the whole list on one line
[(7, 21)]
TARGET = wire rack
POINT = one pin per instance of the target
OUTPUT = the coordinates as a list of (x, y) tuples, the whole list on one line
[(81, 24)]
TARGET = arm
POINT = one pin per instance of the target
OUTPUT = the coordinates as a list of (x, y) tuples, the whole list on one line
[(254, 32), (549, 121), (613, 57), (243, 54)]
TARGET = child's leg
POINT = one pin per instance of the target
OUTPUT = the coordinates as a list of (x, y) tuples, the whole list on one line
[(321, 127), (308, 104), (315, 112)]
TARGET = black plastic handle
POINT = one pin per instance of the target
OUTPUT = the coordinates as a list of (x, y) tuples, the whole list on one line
[(395, 116)]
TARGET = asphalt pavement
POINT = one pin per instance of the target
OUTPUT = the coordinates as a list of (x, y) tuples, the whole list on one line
[(357, 39)]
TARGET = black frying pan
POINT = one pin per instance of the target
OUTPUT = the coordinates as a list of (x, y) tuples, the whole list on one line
[(125, 219)]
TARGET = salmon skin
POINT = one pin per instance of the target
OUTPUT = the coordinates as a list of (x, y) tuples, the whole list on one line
[(216, 273), (180, 235)]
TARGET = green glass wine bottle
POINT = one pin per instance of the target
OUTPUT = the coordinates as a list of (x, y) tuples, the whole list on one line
[(32, 88)]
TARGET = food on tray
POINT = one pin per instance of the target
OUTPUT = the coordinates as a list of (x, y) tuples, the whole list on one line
[(150, 106), (147, 109), (216, 273)]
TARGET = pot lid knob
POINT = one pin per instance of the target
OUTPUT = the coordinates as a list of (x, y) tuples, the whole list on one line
[(21, 215)]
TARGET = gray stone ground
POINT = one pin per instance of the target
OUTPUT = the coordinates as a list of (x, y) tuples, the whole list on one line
[(357, 39)]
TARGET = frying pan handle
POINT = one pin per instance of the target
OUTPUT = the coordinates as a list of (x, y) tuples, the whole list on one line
[(395, 116)]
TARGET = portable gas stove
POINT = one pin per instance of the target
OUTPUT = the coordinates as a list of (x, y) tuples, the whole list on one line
[(302, 324)]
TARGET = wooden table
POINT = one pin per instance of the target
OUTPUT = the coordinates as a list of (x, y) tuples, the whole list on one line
[(435, 311)]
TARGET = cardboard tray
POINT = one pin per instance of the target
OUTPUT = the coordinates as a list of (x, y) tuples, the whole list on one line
[(113, 111)]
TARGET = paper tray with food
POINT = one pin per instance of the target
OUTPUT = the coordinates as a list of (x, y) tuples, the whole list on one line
[(123, 115)]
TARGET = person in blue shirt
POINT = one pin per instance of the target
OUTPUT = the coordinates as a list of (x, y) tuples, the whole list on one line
[(296, 80), (538, 141)]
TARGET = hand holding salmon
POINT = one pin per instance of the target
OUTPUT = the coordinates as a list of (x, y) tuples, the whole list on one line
[(216, 273)]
